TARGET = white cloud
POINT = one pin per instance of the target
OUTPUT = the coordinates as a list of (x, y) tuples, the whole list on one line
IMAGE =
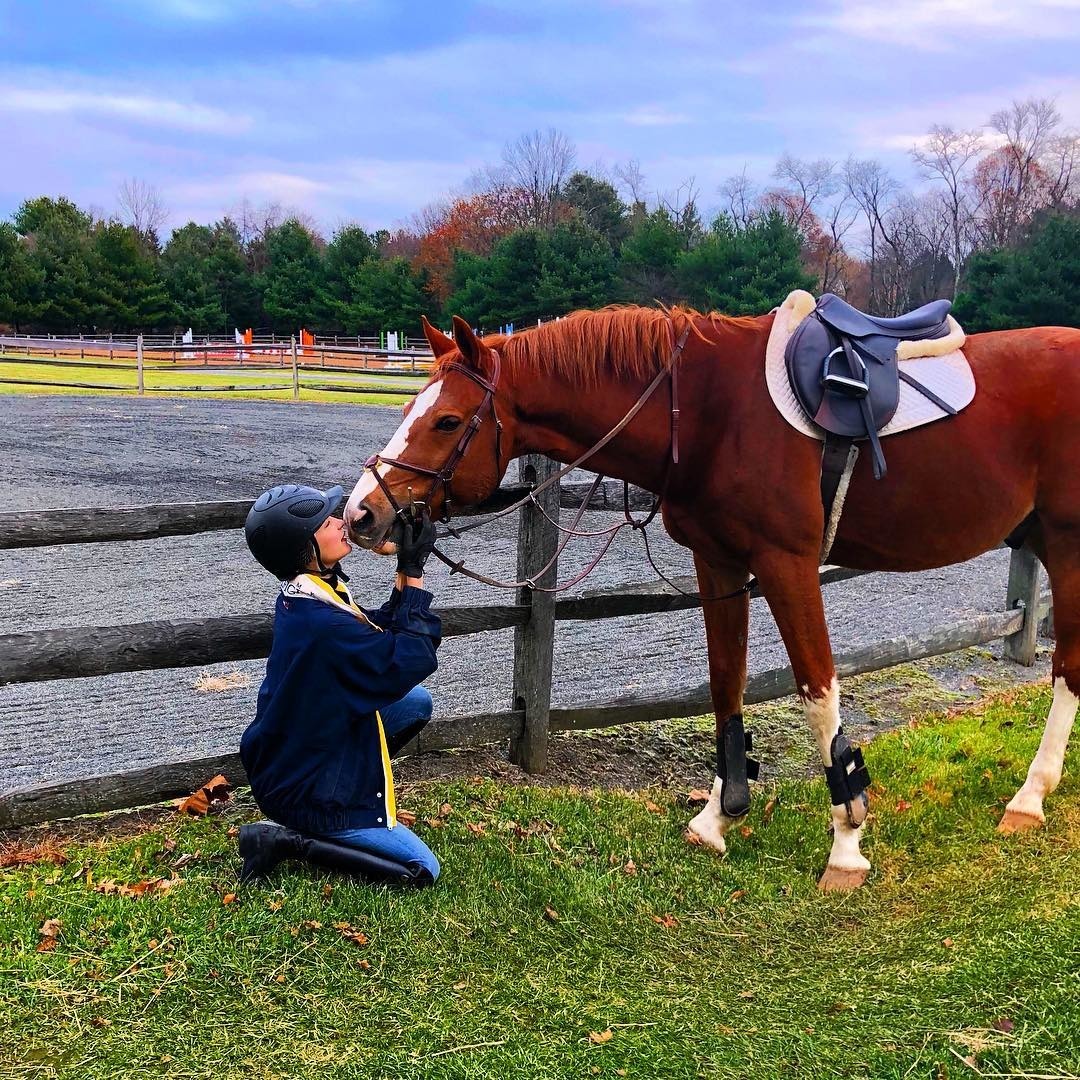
[(654, 116), (937, 25), (181, 115)]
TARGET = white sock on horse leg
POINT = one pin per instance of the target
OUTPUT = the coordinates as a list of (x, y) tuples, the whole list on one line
[(1045, 772), (823, 716), (712, 824)]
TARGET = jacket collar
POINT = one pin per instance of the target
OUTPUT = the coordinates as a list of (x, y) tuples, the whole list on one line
[(313, 587)]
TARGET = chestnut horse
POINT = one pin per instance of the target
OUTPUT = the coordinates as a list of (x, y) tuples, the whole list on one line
[(745, 498)]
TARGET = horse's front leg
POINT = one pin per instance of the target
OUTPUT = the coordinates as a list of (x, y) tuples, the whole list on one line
[(726, 626), (791, 587)]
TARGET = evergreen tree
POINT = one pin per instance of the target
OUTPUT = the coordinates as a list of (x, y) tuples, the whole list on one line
[(743, 271), (1036, 284), (648, 257), (293, 284), (58, 235), (233, 279), (189, 279), (21, 280), (132, 295), (349, 250), (597, 204), (577, 270), (386, 295), (502, 288)]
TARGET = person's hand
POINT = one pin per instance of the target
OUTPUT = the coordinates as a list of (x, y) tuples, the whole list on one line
[(415, 545)]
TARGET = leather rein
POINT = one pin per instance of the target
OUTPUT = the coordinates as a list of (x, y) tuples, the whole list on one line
[(445, 476)]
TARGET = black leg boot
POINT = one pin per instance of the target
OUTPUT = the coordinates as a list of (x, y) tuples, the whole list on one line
[(265, 844), (363, 864), (397, 742)]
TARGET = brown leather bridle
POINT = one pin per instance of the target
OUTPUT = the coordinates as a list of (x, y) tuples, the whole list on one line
[(446, 474)]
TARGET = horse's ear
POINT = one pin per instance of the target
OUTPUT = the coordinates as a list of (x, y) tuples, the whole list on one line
[(438, 341), (468, 343)]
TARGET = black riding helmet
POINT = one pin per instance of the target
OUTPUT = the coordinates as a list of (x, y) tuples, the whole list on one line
[(281, 525)]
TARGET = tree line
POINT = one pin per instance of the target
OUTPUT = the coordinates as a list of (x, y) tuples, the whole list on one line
[(995, 227)]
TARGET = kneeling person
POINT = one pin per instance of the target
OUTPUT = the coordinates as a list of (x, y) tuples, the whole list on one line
[(341, 696)]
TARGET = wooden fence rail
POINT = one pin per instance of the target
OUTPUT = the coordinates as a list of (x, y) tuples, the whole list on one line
[(92, 651)]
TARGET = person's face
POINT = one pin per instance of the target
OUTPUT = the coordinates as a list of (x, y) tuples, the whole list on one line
[(333, 541)]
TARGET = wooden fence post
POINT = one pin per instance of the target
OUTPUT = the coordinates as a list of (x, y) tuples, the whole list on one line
[(295, 373), (1023, 592), (139, 362), (534, 642)]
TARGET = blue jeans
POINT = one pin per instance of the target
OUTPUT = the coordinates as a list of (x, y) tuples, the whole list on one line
[(399, 843)]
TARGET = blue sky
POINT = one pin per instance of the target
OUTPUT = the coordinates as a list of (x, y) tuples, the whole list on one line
[(365, 110)]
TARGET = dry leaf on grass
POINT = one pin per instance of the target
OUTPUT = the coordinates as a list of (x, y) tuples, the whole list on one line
[(902, 805), (138, 888), (668, 922), (1003, 1024), (653, 808), (475, 827), (630, 869), (220, 684), (50, 931), (692, 838), (767, 813), (551, 914), (407, 818), (19, 854), (229, 898), (445, 810), (697, 797), (600, 1037), (199, 802)]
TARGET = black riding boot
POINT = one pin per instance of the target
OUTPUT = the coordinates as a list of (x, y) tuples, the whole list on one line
[(264, 845), (399, 740)]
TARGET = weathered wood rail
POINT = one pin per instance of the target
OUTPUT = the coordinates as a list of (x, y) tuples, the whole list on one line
[(90, 651)]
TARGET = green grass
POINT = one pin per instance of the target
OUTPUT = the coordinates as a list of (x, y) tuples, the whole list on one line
[(959, 934), (165, 380)]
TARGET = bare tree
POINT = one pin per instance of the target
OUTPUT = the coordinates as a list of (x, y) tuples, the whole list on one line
[(810, 181), (875, 192), (947, 156), (539, 163), (141, 206), (740, 196), (681, 204), (631, 180)]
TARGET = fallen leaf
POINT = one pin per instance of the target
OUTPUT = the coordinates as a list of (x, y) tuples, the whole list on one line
[(697, 797), (1003, 1024), (138, 888), (767, 813), (365, 964), (551, 914), (234, 832), (311, 924), (280, 979), (275, 905), (599, 1037), (475, 827), (746, 995), (407, 818), (745, 831), (327, 891), (460, 985), (653, 808), (445, 810), (839, 1007), (198, 802), (902, 805), (184, 860), (947, 942), (668, 922), (356, 937), (693, 839), (50, 931), (18, 854), (434, 822), (738, 894), (229, 898), (630, 869)]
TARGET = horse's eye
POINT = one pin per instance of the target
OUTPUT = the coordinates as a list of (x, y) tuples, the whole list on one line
[(448, 423)]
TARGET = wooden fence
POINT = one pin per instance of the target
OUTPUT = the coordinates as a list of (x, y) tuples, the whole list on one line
[(90, 651)]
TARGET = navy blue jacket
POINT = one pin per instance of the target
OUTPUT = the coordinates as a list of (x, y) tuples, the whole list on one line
[(315, 753)]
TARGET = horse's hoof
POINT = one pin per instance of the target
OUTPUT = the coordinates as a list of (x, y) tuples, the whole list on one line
[(715, 843), (840, 879), (1014, 821)]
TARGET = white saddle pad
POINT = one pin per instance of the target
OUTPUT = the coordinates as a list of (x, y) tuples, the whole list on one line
[(948, 375)]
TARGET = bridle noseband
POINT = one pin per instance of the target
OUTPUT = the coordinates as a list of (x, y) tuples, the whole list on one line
[(446, 474)]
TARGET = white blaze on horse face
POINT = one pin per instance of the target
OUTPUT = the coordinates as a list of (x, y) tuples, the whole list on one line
[(395, 448), (1045, 772), (823, 716)]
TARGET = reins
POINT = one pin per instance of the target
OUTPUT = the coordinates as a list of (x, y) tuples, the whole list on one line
[(445, 475)]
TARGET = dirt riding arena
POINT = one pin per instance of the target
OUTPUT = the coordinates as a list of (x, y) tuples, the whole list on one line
[(91, 451)]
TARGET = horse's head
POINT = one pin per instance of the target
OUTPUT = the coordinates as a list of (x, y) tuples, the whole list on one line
[(449, 447)]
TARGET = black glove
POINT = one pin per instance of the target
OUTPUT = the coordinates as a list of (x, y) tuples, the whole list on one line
[(414, 547)]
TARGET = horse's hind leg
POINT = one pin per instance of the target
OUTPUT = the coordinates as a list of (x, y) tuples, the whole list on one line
[(1060, 552)]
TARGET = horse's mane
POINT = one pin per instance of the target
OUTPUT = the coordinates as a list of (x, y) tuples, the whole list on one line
[(616, 340)]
